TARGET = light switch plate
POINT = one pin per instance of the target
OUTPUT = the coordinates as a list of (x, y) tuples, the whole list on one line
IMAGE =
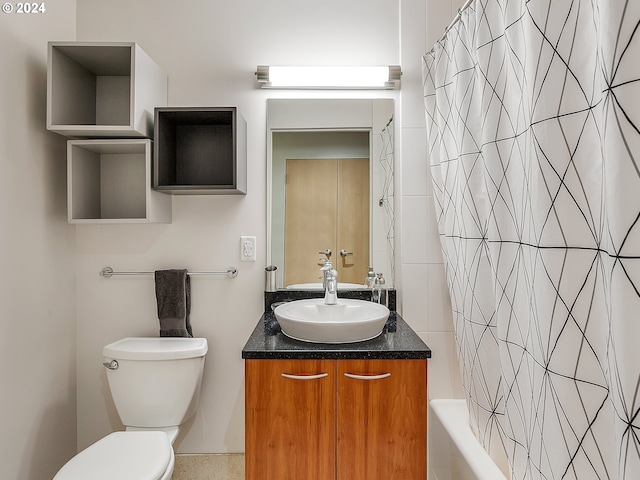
[(247, 249)]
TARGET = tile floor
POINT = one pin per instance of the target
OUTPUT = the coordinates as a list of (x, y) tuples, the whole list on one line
[(209, 467)]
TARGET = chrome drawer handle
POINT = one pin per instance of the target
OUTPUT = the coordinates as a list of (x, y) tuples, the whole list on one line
[(367, 377), (112, 365), (304, 377)]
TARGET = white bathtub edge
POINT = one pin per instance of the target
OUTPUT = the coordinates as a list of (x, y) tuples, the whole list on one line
[(454, 417)]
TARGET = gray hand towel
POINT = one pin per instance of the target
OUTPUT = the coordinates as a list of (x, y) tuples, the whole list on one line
[(173, 295)]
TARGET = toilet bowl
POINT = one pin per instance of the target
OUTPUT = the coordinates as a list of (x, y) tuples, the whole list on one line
[(155, 385)]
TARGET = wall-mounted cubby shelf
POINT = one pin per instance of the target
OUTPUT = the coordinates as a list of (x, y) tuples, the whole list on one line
[(102, 89), (108, 181), (200, 151)]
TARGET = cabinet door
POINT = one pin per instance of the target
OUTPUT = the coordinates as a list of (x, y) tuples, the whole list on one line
[(290, 419), (382, 419)]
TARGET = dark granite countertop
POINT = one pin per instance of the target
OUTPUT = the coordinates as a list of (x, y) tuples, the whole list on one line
[(397, 341)]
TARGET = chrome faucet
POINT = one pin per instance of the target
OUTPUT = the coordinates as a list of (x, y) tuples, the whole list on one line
[(329, 283)]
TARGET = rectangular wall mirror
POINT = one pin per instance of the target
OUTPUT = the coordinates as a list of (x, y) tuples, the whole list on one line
[(330, 189)]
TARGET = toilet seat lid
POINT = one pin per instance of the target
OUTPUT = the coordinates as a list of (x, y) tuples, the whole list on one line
[(121, 455)]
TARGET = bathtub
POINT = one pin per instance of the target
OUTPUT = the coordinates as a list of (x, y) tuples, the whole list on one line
[(454, 451)]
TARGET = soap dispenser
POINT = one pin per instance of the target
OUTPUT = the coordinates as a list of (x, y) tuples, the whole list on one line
[(370, 279), (379, 290)]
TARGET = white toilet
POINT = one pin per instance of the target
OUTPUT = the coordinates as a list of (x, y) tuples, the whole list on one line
[(155, 385)]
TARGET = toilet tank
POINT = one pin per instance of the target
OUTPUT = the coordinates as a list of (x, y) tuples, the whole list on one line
[(157, 380)]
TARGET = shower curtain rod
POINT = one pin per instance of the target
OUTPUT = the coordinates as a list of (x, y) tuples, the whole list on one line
[(455, 20)]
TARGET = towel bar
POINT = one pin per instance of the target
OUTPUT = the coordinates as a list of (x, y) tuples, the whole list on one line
[(107, 272)]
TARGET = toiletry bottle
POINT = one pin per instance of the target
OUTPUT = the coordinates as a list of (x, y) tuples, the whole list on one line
[(370, 279), (380, 290)]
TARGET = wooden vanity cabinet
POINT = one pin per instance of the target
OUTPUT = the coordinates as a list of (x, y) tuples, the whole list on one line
[(336, 419), (290, 419), (381, 419)]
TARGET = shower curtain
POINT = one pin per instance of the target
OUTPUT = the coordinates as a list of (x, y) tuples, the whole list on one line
[(533, 128)]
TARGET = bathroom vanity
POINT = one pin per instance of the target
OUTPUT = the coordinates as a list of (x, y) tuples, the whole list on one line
[(352, 411)]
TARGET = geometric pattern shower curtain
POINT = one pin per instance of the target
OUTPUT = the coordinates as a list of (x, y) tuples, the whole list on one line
[(533, 122)]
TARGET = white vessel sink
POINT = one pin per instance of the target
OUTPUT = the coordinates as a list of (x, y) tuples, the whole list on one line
[(318, 286), (348, 321)]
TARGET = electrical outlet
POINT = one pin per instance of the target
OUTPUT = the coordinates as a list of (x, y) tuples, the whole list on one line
[(247, 249)]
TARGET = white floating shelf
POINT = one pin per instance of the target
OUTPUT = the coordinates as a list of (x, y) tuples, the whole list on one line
[(109, 181), (104, 89)]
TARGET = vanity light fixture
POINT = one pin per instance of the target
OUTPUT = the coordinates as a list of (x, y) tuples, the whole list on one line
[(329, 77)]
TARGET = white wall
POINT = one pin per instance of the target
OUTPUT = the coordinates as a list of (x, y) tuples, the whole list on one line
[(210, 49), (37, 311), (424, 297)]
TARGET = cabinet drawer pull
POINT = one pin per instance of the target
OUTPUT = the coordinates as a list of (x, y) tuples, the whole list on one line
[(367, 377), (304, 377)]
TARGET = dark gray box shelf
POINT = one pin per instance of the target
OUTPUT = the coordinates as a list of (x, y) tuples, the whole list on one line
[(200, 150)]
